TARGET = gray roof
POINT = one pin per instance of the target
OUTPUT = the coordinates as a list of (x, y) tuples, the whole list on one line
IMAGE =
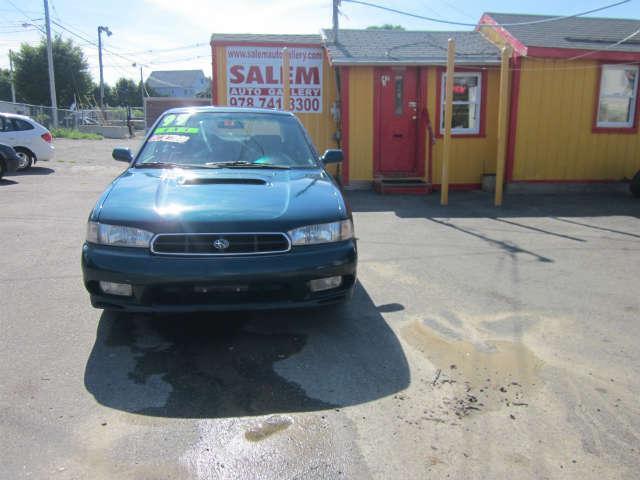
[(176, 78), (587, 33), (382, 47), (266, 38)]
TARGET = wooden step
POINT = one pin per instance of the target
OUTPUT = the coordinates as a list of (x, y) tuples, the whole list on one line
[(401, 186)]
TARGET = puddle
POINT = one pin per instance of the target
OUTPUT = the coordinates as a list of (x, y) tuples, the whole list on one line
[(268, 427), (502, 361), (477, 375)]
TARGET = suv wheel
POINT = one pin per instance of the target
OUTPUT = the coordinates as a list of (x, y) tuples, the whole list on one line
[(26, 158), (1, 168)]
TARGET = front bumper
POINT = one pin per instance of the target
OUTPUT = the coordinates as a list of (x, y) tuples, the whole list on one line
[(186, 284)]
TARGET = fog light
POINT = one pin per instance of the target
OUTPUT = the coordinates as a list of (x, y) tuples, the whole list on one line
[(122, 289), (326, 283)]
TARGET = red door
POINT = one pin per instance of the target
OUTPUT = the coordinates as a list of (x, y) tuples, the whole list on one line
[(396, 121)]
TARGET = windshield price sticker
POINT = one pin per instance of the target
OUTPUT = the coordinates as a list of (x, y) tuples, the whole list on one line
[(254, 78), (177, 130), (169, 138)]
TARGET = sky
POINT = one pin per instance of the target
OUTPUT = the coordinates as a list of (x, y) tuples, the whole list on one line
[(174, 34)]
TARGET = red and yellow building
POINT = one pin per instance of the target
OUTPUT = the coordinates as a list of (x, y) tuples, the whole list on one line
[(573, 100)]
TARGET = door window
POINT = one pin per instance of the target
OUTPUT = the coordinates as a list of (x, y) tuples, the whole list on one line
[(399, 94), (21, 125)]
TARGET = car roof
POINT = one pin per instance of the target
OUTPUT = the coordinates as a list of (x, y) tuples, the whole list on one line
[(15, 115), (228, 110)]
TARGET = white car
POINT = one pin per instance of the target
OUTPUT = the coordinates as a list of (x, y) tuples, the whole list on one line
[(31, 141)]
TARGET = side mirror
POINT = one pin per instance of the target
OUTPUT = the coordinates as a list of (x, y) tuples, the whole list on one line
[(332, 156), (122, 154)]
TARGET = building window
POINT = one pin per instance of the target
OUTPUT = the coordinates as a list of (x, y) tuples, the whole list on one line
[(618, 95), (467, 94)]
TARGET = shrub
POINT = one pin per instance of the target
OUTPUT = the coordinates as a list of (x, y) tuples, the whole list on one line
[(74, 134)]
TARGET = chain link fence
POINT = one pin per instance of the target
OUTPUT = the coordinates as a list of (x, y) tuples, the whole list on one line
[(75, 118)]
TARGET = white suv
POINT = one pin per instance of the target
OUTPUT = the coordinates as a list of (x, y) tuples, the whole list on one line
[(31, 141)]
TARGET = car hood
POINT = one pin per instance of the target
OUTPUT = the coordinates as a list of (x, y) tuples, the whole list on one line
[(205, 200)]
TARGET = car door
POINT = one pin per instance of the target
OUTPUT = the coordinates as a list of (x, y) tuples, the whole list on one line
[(24, 133), (11, 135), (4, 135)]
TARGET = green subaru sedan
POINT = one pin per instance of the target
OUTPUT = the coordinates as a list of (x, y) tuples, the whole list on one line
[(221, 209)]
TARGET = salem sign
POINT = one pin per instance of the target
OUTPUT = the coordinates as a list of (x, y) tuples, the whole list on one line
[(254, 78)]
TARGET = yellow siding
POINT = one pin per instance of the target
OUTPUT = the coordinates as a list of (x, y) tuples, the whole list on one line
[(554, 140), (361, 123), (221, 70), (471, 157), (320, 126)]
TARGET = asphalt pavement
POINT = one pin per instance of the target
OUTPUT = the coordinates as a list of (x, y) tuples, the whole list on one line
[(481, 343)]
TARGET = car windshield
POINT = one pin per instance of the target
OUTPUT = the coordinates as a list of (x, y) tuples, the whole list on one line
[(217, 139)]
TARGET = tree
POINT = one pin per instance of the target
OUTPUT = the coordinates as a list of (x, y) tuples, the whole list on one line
[(5, 84), (32, 76), (127, 92), (109, 97), (386, 26)]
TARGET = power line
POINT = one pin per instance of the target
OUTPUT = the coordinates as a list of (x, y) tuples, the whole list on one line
[(451, 22), (185, 47), (613, 45), (96, 45)]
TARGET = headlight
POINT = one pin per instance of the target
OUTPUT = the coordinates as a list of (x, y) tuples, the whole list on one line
[(117, 235), (322, 233)]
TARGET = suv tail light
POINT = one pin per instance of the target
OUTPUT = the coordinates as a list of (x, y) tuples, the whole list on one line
[(47, 137)]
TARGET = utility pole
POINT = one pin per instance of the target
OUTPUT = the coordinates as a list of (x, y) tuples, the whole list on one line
[(141, 86), (336, 12), (108, 32), (13, 86), (134, 65), (52, 80)]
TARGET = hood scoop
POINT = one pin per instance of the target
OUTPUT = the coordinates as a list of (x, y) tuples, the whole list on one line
[(223, 181)]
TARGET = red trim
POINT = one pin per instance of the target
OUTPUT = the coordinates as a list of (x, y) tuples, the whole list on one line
[(594, 123), (585, 181), (214, 77), (376, 121), (440, 71), (401, 190), (265, 44), (424, 121), (459, 186), (514, 63), (549, 52), (344, 120), (518, 47)]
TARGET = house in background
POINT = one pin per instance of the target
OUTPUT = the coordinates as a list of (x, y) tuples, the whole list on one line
[(178, 83)]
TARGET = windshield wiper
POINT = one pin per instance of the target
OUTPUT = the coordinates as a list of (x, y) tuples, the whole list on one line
[(163, 165), (244, 164)]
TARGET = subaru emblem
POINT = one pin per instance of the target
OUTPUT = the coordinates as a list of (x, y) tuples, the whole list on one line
[(221, 244)]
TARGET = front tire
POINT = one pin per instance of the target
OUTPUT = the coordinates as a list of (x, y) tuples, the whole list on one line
[(1, 168), (26, 158)]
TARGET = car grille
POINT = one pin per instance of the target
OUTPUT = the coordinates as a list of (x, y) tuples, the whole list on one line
[(220, 244)]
